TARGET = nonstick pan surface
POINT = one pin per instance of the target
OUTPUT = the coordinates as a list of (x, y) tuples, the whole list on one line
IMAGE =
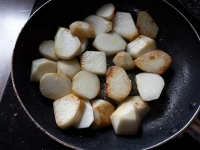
[(170, 115)]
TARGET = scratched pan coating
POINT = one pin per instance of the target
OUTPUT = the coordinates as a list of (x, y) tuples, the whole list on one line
[(170, 115)]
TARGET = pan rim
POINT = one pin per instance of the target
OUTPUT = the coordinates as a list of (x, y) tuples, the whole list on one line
[(71, 146)]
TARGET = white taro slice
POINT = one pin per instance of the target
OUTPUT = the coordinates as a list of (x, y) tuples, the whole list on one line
[(66, 46), (55, 86), (110, 43)]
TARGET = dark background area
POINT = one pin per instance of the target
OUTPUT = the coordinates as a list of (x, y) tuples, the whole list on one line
[(17, 131)]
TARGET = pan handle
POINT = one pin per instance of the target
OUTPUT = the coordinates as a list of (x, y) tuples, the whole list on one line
[(194, 129)]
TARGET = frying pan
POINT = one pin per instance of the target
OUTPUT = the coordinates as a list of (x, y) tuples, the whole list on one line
[(170, 115)]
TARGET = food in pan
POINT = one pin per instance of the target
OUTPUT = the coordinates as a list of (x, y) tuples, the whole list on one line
[(146, 25), (106, 11), (40, 67), (86, 85), (69, 74), (124, 60), (141, 45), (68, 111), (99, 24), (118, 84), (81, 29), (102, 111), (46, 49), (87, 117), (156, 61), (68, 67), (110, 43), (149, 85), (124, 25), (126, 119), (55, 86), (94, 61), (66, 46)]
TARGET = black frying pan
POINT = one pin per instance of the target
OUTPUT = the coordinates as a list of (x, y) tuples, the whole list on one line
[(170, 115)]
